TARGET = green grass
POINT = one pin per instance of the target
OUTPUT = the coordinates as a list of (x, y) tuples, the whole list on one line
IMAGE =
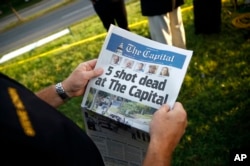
[(214, 93)]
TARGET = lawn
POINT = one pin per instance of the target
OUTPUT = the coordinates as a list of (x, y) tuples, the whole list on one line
[(214, 92)]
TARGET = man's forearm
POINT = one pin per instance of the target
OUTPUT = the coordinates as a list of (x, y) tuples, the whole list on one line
[(157, 155), (50, 96)]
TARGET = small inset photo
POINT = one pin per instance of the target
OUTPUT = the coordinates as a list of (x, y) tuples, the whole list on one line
[(164, 71), (139, 67), (152, 69), (128, 63), (115, 60)]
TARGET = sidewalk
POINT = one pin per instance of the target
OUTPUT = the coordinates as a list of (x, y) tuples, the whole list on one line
[(32, 10)]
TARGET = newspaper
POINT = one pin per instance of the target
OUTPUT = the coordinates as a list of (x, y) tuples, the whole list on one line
[(139, 76)]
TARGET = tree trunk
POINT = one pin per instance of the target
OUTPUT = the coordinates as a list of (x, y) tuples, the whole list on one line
[(14, 11)]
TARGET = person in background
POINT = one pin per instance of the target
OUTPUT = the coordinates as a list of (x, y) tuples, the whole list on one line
[(165, 21), (111, 12), (49, 137)]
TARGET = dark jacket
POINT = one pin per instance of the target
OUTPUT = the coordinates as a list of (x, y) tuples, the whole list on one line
[(158, 7), (32, 132)]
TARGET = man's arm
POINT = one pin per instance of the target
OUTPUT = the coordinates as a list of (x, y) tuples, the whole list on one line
[(74, 85), (166, 129), (50, 96)]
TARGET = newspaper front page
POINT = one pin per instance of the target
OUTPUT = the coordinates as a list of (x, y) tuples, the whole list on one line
[(139, 76)]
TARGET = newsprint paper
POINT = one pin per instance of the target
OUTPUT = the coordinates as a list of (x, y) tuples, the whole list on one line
[(139, 76)]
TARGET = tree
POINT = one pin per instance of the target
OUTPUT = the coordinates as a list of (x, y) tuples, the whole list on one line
[(8, 2)]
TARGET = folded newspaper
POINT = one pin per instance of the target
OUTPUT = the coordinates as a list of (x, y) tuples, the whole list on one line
[(139, 76)]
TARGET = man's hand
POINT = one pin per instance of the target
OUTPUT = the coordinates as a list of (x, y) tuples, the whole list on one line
[(166, 129), (76, 82)]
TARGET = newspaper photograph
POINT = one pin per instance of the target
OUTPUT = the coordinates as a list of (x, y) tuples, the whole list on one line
[(139, 76)]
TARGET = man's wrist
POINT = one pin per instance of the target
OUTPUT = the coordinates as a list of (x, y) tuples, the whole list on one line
[(61, 92), (157, 154), (164, 148)]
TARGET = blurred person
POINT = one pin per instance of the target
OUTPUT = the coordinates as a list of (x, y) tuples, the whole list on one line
[(165, 21), (111, 12), (33, 131), (205, 21)]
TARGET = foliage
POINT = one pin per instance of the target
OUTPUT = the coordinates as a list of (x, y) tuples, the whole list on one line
[(214, 93), (131, 108)]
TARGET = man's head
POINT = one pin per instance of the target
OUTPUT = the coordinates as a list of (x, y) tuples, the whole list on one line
[(140, 66), (116, 59), (152, 69)]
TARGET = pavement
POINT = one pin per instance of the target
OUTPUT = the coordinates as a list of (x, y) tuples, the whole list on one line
[(29, 11)]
